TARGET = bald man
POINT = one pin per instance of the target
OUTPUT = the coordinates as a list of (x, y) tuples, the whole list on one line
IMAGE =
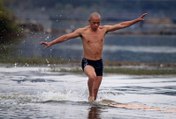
[(93, 39)]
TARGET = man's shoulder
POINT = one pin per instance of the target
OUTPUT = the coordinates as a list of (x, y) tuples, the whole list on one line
[(88, 27), (104, 26), (82, 29)]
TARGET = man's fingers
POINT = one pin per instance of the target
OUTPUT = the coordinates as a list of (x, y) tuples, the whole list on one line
[(143, 15), (43, 43)]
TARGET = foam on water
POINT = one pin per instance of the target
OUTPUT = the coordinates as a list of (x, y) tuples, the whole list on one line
[(43, 97)]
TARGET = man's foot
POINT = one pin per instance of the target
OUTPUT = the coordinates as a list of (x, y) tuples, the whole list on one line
[(91, 99)]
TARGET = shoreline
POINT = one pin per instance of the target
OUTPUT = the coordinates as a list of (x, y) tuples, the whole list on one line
[(74, 68), (121, 70), (110, 67)]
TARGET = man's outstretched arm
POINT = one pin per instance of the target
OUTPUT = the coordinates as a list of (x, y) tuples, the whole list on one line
[(62, 38), (125, 23)]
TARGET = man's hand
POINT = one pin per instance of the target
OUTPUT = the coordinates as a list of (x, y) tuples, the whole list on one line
[(46, 44), (141, 18)]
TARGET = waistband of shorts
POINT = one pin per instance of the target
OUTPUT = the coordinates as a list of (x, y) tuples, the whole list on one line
[(92, 60)]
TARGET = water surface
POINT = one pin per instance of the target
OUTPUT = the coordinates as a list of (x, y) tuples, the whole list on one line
[(36, 92)]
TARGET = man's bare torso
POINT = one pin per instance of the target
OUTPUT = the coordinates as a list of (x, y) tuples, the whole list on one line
[(93, 42)]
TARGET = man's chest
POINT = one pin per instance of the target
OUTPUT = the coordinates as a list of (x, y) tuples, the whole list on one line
[(93, 37)]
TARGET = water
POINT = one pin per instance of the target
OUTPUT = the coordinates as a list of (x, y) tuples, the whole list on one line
[(36, 92), (147, 48)]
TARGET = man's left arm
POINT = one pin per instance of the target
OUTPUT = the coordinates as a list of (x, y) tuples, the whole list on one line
[(125, 23)]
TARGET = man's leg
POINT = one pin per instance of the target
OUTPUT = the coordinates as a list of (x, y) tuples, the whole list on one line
[(90, 72), (97, 85)]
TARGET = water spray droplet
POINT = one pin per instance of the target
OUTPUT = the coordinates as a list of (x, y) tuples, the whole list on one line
[(47, 38), (47, 61), (15, 64)]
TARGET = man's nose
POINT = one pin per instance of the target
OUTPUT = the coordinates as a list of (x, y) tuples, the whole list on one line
[(96, 24)]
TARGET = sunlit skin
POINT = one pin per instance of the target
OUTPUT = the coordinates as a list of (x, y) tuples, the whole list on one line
[(93, 40)]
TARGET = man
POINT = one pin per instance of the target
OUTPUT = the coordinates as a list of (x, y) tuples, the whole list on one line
[(93, 39)]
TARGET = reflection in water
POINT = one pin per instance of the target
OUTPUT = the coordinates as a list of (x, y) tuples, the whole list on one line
[(94, 113)]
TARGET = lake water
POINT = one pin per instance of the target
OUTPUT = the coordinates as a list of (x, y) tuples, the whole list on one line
[(135, 48), (38, 93)]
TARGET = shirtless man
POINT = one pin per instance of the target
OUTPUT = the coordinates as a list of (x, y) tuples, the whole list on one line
[(93, 39)]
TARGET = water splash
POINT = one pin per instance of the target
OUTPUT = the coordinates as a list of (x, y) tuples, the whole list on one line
[(41, 97), (15, 65), (48, 63), (47, 38)]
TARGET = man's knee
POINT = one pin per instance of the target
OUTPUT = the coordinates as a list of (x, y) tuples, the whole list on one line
[(92, 77)]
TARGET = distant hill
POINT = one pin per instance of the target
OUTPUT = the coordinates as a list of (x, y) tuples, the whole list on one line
[(64, 14), (166, 6), (125, 4)]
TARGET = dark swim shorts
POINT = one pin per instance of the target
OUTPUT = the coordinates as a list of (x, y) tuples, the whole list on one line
[(97, 64)]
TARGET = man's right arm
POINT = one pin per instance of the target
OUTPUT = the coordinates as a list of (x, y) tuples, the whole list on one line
[(63, 38)]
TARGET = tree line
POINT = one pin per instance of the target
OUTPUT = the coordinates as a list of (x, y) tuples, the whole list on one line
[(9, 29)]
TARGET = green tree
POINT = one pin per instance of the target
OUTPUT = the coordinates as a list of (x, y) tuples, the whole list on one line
[(9, 30)]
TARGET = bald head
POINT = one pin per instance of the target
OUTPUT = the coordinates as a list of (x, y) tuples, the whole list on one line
[(94, 21), (94, 15)]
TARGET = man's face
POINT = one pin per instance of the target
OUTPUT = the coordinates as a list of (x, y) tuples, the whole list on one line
[(94, 23)]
